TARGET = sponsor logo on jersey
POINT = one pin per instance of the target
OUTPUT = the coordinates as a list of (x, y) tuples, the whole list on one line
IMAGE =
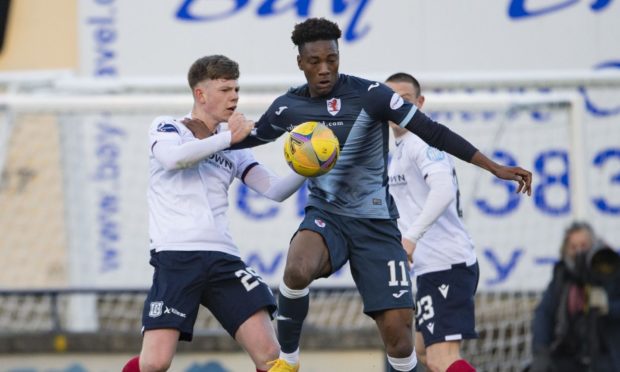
[(396, 101), (397, 179), (319, 222), (166, 127), (280, 109), (333, 106), (444, 290), (220, 162), (172, 310), (434, 154), (400, 293), (156, 308), (431, 327), (374, 85)]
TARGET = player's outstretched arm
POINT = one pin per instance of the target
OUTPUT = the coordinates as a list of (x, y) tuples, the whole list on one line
[(518, 174), (268, 184), (381, 102), (441, 137)]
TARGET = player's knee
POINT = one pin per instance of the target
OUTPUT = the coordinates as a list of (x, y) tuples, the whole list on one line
[(269, 352), (399, 347), (297, 276)]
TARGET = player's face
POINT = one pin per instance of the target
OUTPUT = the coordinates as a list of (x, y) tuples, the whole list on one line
[(407, 91), (217, 98), (319, 61), (578, 242)]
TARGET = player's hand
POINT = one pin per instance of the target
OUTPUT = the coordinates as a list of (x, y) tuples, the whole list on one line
[(409, 247), (239, 126), (597, 299), (198, 128), (518, 174)]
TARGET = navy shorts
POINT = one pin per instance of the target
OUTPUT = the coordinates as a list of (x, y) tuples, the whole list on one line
[(223, 283), (445, 304), (375, 253)]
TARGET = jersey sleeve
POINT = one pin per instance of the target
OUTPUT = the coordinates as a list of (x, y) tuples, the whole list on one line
[(382, 103), (164, 128), (270, 126), (245, 162), (436, 170)]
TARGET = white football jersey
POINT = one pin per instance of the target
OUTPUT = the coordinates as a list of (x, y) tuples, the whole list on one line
[(446, 242), (187, 207)]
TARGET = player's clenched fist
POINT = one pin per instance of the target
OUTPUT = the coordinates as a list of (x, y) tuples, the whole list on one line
[(239, 126)]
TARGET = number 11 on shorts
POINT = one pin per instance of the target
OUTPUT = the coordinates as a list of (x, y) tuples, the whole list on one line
[(393, 275)]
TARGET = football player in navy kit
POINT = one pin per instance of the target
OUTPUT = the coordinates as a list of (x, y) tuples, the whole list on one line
[(195, 259), (423, 183), (350, 215)]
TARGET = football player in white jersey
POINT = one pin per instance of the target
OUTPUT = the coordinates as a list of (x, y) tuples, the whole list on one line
[(423, 182), (195, 259)]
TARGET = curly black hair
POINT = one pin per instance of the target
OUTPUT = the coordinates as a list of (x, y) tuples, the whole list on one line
[(314, 29)]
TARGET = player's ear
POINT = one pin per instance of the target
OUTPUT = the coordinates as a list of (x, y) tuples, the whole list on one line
[(420, 101), (299, 62), (199, 95)]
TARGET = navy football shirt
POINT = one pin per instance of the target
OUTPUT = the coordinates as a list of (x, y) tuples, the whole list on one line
[(357, 111)]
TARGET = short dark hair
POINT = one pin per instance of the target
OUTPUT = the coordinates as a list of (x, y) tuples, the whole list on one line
[(403, 77), (314, 29), (212, 67)]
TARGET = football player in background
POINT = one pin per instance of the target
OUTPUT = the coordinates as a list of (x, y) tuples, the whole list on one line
[(195, 259), (424, 186), (350, 215)]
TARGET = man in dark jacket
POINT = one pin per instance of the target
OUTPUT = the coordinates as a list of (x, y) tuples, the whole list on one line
[(576, 326)]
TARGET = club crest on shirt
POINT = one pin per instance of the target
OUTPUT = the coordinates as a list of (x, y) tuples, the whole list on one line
[(333, 106), (434, 154), (396, 101), (166, 127), (156, 308), (319, 222)]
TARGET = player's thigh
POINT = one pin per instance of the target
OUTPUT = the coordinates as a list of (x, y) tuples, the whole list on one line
[(308, 255), (379, 265), (235, 292), (258, 337), (158, 348), (318, 248), (445, 304), (174, 297)]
